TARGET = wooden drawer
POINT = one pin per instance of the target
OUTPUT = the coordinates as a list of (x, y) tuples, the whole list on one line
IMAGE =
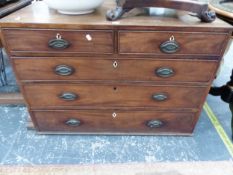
[(115, 122), (42, 42), (210, 44), (63, 96), (120, 70)]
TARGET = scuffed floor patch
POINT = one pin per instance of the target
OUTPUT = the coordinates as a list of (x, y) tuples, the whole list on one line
[(178, 168)]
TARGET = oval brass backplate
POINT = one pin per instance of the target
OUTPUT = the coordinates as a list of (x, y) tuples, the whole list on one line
[(58, 44), (169, 47), (164, 72), (160, 96), (155, 124), (64, 70), (73, 122), (68, 96)]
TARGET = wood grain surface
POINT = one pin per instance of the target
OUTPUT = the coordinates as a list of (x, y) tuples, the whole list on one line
[(112, 96), (124, 122), (98, 69), (190, 43), (37, 41)]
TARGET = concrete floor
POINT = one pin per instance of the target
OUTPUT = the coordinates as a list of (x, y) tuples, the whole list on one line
[(18, 146)]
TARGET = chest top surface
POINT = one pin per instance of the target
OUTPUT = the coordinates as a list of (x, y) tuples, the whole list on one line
[(40, 16)]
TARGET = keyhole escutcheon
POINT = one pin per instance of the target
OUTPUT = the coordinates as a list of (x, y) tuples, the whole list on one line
[(115, 64), (114, 115), (88, 37)]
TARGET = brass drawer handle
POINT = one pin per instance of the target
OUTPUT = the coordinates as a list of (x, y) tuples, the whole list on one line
[(68, 96), (64, 70), (155, 124), (170, 46), (73, 122), (58, 43), (160, 97), (164, 72)]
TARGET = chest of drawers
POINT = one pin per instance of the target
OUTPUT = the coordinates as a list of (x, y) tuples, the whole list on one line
[(139, 75)]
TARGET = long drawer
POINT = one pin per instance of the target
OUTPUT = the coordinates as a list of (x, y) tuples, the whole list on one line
[(57, 41), (110, 121), (63, 96), (177, 43), (35, 69)]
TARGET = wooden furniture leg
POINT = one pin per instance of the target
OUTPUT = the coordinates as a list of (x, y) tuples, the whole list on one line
[(197, 9), (226, 94), (231, 108), (3, 78), (11, 98)]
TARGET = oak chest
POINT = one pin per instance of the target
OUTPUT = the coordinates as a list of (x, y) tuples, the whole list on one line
[(139, 75)]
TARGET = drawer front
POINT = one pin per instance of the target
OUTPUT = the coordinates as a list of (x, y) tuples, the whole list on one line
[(115, 122), (97, 96), (99, 69), (168, 43), (58, 41)]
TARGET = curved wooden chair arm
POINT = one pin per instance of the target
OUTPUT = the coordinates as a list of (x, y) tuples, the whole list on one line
[(198, 9)]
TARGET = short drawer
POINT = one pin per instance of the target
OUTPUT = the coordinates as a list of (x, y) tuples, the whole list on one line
[(42, 42), (168, 43), (115, 122), (42, 96), (89, 69)]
